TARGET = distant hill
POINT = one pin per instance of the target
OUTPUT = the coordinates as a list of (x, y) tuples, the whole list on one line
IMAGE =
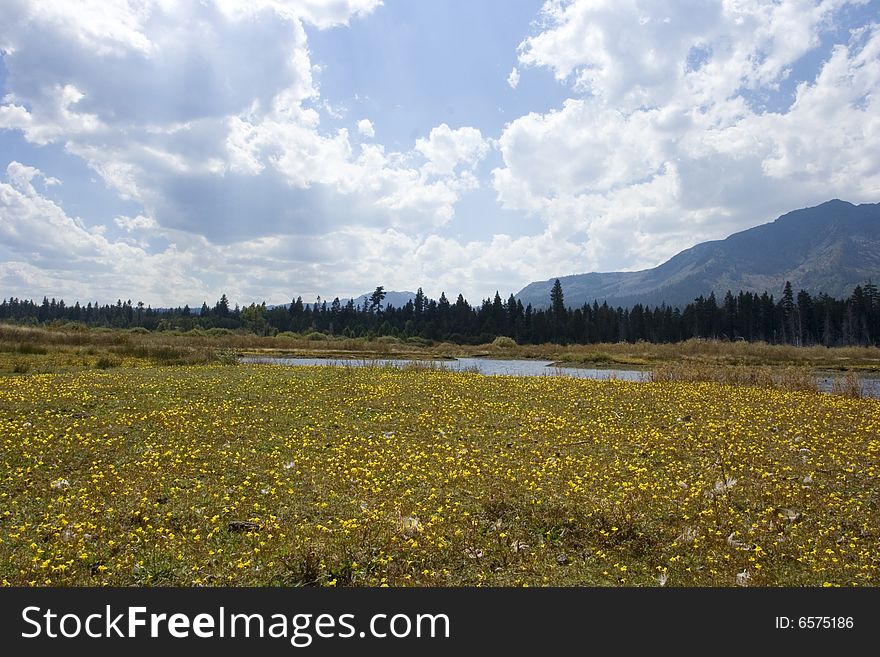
[(396, 299), (829, 248)]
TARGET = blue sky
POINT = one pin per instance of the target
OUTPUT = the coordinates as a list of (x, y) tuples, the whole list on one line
[(173, 151), (415, 65)]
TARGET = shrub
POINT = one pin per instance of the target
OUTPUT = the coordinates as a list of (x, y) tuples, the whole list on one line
[(316, 335), (217, 332), (227, 357), (140, 330), (848, 385), (503, 342)]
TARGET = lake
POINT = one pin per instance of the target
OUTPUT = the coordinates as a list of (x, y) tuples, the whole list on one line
[(496, 366), (488, 366)]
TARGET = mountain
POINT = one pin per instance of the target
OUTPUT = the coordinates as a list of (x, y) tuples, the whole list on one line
[(829, 248), (396, 299)]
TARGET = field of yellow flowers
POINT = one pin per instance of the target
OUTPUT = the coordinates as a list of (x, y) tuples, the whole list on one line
[(269, 475)]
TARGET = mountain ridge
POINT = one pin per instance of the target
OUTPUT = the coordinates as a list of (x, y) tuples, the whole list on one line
[(830, 248), (392, 298)]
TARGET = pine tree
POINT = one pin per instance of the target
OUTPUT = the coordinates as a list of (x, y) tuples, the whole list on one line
[(557, 300), (788, 314), (222, 307), (376, 298), (419, 303)]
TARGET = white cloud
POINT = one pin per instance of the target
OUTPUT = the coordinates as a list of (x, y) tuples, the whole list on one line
[(138, 223), (320, 13), (365, 128), (105, 27), (445, 149), (829, 136), (55, 254), (666, 145), (336, 12), (513, 78), (151, 64), (39, 230), (20, 177), (237, 175), (635, 52), (52, 118), (582, 147), (160, 101)]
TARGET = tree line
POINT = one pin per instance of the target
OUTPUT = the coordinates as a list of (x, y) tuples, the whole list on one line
[(799, 319)]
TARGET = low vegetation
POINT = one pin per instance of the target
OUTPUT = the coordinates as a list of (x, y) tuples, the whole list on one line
[(783, 378), (269, 475), (74, 346)]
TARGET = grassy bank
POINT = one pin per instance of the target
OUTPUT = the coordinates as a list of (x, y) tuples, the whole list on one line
[(264, 475), (75, 347)]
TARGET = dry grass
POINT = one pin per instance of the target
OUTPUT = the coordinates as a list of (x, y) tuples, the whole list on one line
[(75, 347), (847, 385), (780, 378), (722, 353)]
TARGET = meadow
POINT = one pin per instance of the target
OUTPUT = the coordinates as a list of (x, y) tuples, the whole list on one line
[(133, 472)]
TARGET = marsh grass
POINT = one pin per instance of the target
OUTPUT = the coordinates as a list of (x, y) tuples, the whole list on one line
[(780, 378), (66, 347), (847, 385), (423, 366), (73, 346)]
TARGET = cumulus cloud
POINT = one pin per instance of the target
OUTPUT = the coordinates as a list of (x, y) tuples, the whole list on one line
[(202, 112), (43, 236), (445, 149), (53, 253), (663, 143), (635, 53), (365, 128), (21, 177), (148, 64)]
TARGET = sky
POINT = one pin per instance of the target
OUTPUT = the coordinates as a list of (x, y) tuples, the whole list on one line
[(169, 152)]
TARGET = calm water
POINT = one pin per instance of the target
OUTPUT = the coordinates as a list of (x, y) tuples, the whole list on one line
[(493, 366), (870, 387), (488, 366)]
